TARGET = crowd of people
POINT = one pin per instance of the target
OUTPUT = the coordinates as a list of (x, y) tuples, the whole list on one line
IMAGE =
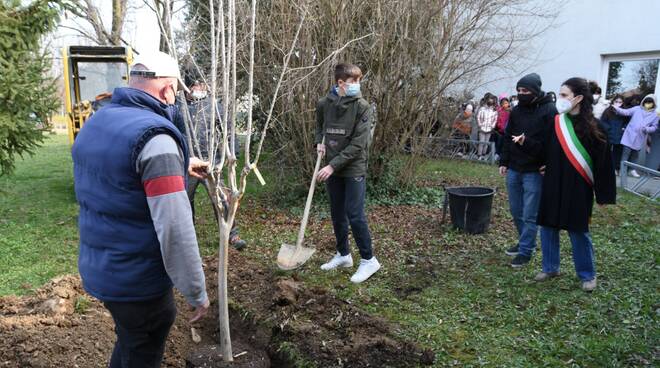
[(630, 124), (557, 153)]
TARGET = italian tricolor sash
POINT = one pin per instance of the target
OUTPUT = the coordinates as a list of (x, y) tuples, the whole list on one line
[(575, 152)]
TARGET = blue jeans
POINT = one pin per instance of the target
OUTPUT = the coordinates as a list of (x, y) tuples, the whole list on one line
[(524, 198), (347, 207), (583, 252)]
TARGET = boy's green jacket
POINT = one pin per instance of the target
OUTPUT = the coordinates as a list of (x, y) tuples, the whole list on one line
[(346, 123)]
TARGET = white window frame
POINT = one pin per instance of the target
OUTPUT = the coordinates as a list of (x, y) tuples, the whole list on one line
[(606, 59)]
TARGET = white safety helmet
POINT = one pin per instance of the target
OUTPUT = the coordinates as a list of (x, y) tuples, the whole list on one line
[(158, 64)]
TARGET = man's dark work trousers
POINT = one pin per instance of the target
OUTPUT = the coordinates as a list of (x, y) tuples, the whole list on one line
[(347, 207), (142, 329)]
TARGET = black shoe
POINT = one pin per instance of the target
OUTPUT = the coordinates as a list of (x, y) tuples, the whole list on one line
[(513, 251), (520, 261), (238, 243)]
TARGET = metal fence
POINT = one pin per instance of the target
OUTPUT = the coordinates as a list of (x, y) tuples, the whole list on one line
[(455, 148), (648, 183)]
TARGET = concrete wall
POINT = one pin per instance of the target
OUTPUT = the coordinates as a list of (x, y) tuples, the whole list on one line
[(586, 32)]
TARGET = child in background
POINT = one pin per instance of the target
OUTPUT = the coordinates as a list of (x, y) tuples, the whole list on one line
[(486, 119), (643, 121), (503, 112), (614, 125)]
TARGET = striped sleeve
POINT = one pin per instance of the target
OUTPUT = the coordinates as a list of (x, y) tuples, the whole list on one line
[(161, 167)]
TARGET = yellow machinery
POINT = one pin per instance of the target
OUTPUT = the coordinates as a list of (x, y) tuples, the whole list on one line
[(91, 73)]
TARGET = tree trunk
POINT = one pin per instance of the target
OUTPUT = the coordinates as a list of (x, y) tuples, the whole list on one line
[(223, 44), (91, 14), (87, 10), (224, 228), (166, 24), (118, 17), (223, 306)]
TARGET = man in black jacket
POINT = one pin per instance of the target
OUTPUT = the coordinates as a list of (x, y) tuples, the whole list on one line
[(531, 118)]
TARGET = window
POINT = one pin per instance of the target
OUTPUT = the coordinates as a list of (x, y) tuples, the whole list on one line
[(632, 77), (100, 77)]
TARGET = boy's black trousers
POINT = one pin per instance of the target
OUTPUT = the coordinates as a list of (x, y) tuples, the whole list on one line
[(347, 207)]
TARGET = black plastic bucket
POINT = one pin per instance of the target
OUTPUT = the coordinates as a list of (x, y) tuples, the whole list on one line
[(470, 208)]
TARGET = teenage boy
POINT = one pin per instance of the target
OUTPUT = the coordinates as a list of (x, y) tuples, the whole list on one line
[(344, 118)]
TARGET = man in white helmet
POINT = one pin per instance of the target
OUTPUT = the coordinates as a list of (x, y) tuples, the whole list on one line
[(137, 238)]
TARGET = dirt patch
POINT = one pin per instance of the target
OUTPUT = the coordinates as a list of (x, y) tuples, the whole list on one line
[(315, 325), (45, 330), (338, 334), (210, 356), (276, 321), (419, 270)]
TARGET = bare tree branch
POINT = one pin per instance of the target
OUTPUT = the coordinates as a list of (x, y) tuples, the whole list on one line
[(90, 13)]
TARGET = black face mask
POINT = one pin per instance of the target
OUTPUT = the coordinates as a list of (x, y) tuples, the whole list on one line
[(526, 100)]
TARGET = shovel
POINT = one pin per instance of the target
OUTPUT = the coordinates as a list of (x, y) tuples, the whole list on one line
[(291, 257)]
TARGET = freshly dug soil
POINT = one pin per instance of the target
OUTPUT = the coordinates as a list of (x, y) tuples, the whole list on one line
[(275, 320)]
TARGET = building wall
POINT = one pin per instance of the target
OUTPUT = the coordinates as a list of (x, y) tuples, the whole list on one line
[(585, 32)]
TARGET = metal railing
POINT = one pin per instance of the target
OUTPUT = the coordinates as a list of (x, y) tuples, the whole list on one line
[(648, 183), (465, 149)]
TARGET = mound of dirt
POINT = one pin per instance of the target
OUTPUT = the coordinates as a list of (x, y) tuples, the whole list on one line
[(57, 326), (322, 328), (275, 321)]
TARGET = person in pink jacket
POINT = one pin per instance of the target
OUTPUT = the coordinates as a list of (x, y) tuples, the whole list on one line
[(503, 112), (643, 122)]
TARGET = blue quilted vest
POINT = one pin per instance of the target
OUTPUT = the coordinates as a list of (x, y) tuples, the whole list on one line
[(120, 258)]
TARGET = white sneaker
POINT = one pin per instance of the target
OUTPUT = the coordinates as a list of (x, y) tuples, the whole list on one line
[(338, 261), (367, 268), (634, 173), (589, 285)]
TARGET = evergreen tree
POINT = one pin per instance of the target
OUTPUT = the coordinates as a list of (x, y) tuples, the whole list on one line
[(614, 78), (27, 92), (648, 73)]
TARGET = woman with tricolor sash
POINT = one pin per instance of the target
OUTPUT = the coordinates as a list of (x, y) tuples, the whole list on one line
[(578, 164)]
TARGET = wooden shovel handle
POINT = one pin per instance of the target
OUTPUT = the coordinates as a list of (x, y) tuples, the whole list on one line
[(310, 195)]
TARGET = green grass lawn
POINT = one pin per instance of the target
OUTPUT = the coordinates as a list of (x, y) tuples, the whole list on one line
[(446, 290), (38, 212)]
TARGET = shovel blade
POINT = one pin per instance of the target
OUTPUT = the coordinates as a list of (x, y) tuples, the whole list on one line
[(291, 257)]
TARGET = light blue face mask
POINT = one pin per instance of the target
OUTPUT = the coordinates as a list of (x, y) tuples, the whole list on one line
[(352, 89)]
